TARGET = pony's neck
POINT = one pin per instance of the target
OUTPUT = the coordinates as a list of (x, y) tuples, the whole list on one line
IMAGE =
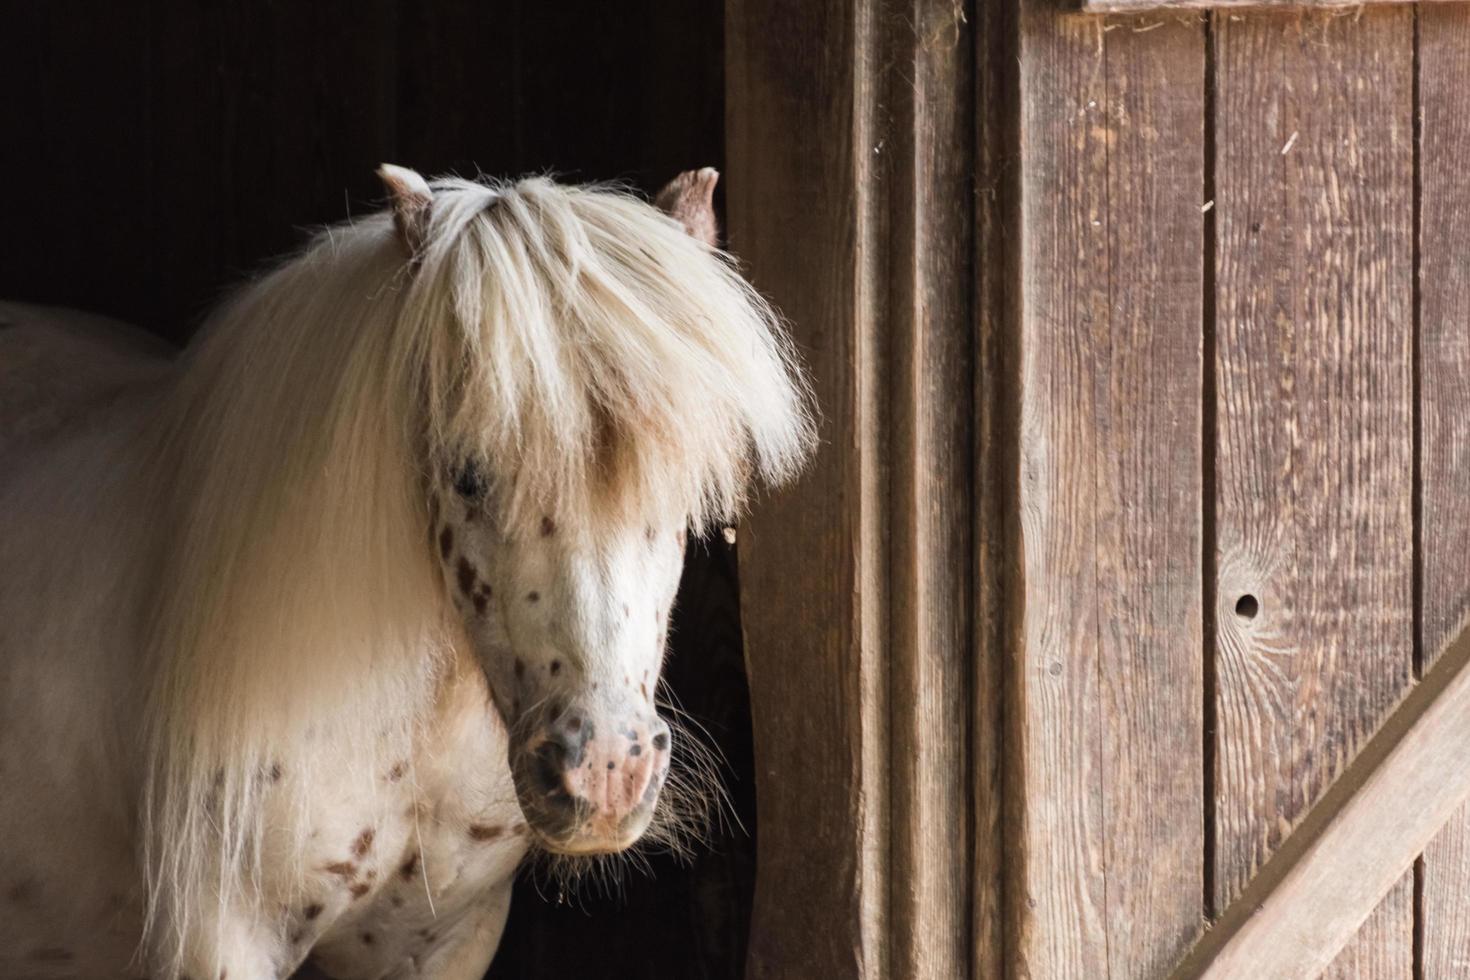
[(296, 573)]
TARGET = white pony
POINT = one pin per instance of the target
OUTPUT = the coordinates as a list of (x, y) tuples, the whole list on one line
[(309, 636)]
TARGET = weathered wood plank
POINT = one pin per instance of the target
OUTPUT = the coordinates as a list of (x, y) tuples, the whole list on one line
[(1444, 437), (1110, 739), (929, 148), (1313, 415), (1355, 845), (1165, 6), (798, 185)]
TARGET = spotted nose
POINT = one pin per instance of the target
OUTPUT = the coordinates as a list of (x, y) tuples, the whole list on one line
[(592, 781)]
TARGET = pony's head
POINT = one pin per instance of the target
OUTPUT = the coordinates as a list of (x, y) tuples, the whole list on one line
[(598, 384), (477, 426)]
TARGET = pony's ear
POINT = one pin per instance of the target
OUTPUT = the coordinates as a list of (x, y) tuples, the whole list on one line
[(412, 200), (689, 199)]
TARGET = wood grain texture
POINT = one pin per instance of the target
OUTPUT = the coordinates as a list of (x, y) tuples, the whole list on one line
[(1444, 435), (1110, 744), (928, 146), (1165, 6), (851, 128), (1356, 844), (798, 131), (1313, 415), (996, 709)]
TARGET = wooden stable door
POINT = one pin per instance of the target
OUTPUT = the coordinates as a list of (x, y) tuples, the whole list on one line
[(1143, 347)]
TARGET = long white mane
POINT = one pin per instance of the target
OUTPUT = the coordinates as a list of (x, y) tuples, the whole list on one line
[(591, 357)]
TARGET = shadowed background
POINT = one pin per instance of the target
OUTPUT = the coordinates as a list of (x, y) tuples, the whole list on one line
[(156, 153)]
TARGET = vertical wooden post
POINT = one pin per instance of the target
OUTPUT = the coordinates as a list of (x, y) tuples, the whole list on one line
[(997, 527), (850, 132), (798, 193), (931, 226)]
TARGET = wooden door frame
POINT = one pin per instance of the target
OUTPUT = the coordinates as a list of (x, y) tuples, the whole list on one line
[(851, 153)]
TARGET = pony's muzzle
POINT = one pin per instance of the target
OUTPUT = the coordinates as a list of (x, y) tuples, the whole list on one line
[(589, 784)]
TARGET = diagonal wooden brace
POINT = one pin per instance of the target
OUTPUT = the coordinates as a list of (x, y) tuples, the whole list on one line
[(1313, 894)]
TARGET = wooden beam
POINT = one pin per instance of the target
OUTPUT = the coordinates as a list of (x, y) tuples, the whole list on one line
[(801, 217), (851, 154), (929, 152), (1311, 897)]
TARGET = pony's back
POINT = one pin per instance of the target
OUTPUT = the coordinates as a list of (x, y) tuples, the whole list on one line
[(58, 366), (69, 546)]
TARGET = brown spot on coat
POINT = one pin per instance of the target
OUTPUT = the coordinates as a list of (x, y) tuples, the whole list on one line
[(466, 573), (548, 527), (533, 597), (360, 889), (396, 773), (481, 832), (363, 843), (275, 772), (312, 911), (367, 939), (410, 867), (446, 542), (479, 601), (344, 869)]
